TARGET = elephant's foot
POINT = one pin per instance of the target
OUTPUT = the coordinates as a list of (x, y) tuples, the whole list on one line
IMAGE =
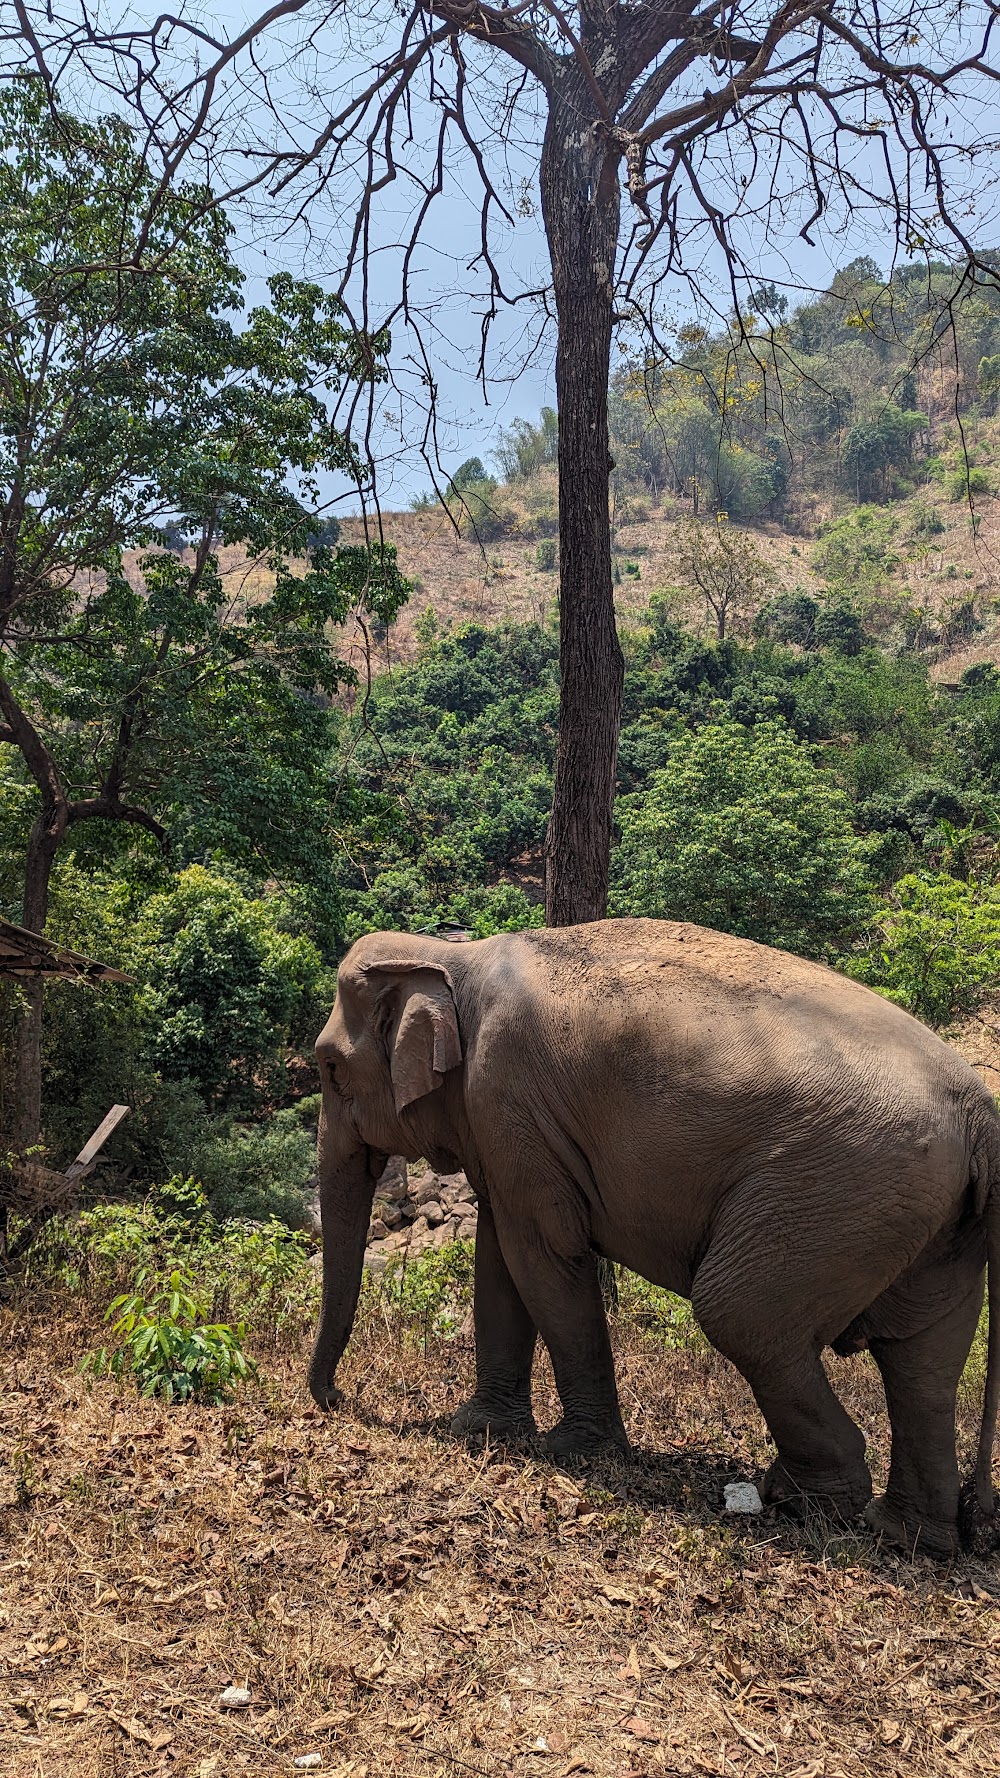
[(844, 1495), (586, 1438), (918, 1536), (326, 1395), (503, 1423)]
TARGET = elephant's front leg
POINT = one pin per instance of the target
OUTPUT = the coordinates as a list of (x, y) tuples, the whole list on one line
[(505, 1346)]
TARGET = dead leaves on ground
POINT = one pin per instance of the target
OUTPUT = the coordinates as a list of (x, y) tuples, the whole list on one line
[(406, 1607)]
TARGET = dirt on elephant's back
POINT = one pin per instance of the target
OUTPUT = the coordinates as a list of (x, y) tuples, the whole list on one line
[(400, 1605)]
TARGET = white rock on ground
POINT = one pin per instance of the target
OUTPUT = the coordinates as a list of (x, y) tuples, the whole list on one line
[(742, 1497)]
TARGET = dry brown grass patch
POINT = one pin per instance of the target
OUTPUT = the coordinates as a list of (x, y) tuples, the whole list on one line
[(403, 1605)]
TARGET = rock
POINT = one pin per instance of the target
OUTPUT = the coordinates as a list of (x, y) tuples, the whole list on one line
[(442, 1235), (394, 1184), (433, 1214), (376, 1258), (742, 1497), (427, 1189), (307, 1762), (388, 1213), (235, 1697), (377, 1230), (467, 1229), (462, 1208)]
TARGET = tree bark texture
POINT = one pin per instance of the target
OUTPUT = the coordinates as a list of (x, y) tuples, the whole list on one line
[(26, 1118), (580, 204)]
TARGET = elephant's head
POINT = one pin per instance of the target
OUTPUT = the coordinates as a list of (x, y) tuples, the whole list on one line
[(391, 1040)]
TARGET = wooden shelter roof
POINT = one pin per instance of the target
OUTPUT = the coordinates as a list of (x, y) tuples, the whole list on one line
[(24, 953)]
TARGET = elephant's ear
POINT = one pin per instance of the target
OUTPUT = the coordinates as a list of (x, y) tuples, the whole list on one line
[(422, 1035)]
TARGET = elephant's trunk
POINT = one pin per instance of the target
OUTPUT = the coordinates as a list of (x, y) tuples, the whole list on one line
[(348, 1174)]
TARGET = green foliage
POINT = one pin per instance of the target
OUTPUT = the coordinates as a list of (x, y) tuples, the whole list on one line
[(257, 1274), (876, 448), (224, 990), (547, 555), (262, 1171), (467, 474), (667, 1320), (161, 1342), (523, 448), (935, 948), (857, 552), (430, 1295), (483, 514), (739, 830), (968, 480)]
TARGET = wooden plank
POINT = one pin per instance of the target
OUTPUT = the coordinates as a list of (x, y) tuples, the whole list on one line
[(100, 1136)]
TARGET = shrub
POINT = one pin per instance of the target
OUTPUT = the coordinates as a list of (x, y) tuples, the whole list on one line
[(935, 947), (256, 1273), (260, 1171), (430, 1295), (546, 556), (967, 481), (482, 515), (162, 1343), (855, 554)]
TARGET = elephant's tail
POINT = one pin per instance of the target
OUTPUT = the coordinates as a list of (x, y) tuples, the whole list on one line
[(979, 1504)]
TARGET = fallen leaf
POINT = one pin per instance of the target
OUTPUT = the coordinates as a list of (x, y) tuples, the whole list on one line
[(640, 1728), (618, 1595), (890, 1731), (669, 1663)]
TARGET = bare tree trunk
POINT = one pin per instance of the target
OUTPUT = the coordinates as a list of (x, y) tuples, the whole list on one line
[(580, 203), (26, 1120)]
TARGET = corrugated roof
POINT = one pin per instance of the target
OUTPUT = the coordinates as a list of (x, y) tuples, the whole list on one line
[(24, 953)]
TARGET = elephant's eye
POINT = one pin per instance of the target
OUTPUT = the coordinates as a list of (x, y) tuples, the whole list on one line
[(337, 1075)]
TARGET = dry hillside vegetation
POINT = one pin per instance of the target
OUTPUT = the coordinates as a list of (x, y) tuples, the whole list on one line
[(467, 580), (401, 1605)]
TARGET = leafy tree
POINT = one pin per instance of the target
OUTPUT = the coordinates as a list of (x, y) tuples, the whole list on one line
[(648, 106), (740, 831), (224, 992), (935, 947), (127, 393), (875, 448), (525, 448), (726, 567), (472, 470), (857, 552)]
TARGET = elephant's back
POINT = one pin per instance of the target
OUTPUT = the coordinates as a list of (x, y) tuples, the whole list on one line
[(664, 1003)]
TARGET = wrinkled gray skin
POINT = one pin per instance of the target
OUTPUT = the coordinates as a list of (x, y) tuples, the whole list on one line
[(807, 1163)]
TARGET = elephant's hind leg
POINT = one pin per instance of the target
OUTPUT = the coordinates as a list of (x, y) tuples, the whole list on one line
[(505, 1346), (921, 1375), (758, 1307)]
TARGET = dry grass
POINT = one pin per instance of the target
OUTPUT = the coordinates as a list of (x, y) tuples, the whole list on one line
[(402, 1605)]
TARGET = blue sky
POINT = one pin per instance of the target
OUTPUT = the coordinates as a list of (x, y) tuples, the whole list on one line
[(310, 238)]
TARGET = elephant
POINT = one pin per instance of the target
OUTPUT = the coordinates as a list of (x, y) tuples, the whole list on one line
[(807, 1163)]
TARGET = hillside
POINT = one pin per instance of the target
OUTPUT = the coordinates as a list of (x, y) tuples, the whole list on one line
[(489, 583)]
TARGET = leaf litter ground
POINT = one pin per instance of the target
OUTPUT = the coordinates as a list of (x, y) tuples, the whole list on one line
[(399, 1604)]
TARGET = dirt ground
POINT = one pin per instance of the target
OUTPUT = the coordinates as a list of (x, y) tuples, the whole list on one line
[(398, 1604)]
